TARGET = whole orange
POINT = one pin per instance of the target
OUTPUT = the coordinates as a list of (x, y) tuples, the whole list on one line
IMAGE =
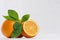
[(7, 28)]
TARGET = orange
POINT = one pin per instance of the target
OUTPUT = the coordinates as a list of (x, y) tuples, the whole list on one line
[(30, 29), (7, 28)]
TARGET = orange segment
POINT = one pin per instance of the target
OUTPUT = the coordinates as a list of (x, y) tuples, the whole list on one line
[(30, 28), (7, 28)]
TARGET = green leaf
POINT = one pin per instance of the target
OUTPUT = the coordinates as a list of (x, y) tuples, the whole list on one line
[(9, 18), (13, 14), (17, 30), (25, 17)]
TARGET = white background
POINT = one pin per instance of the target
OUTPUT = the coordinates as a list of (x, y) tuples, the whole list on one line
[(45, 12)]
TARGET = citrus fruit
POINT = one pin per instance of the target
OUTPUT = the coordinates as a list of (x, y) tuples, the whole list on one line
[(30, 29), (14, 27), (7, 28)]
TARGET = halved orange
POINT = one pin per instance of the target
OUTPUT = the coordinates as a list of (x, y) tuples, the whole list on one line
[(30, 29), (7, 28)]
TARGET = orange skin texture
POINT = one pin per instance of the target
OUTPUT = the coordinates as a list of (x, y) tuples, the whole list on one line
[(7, 28)]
